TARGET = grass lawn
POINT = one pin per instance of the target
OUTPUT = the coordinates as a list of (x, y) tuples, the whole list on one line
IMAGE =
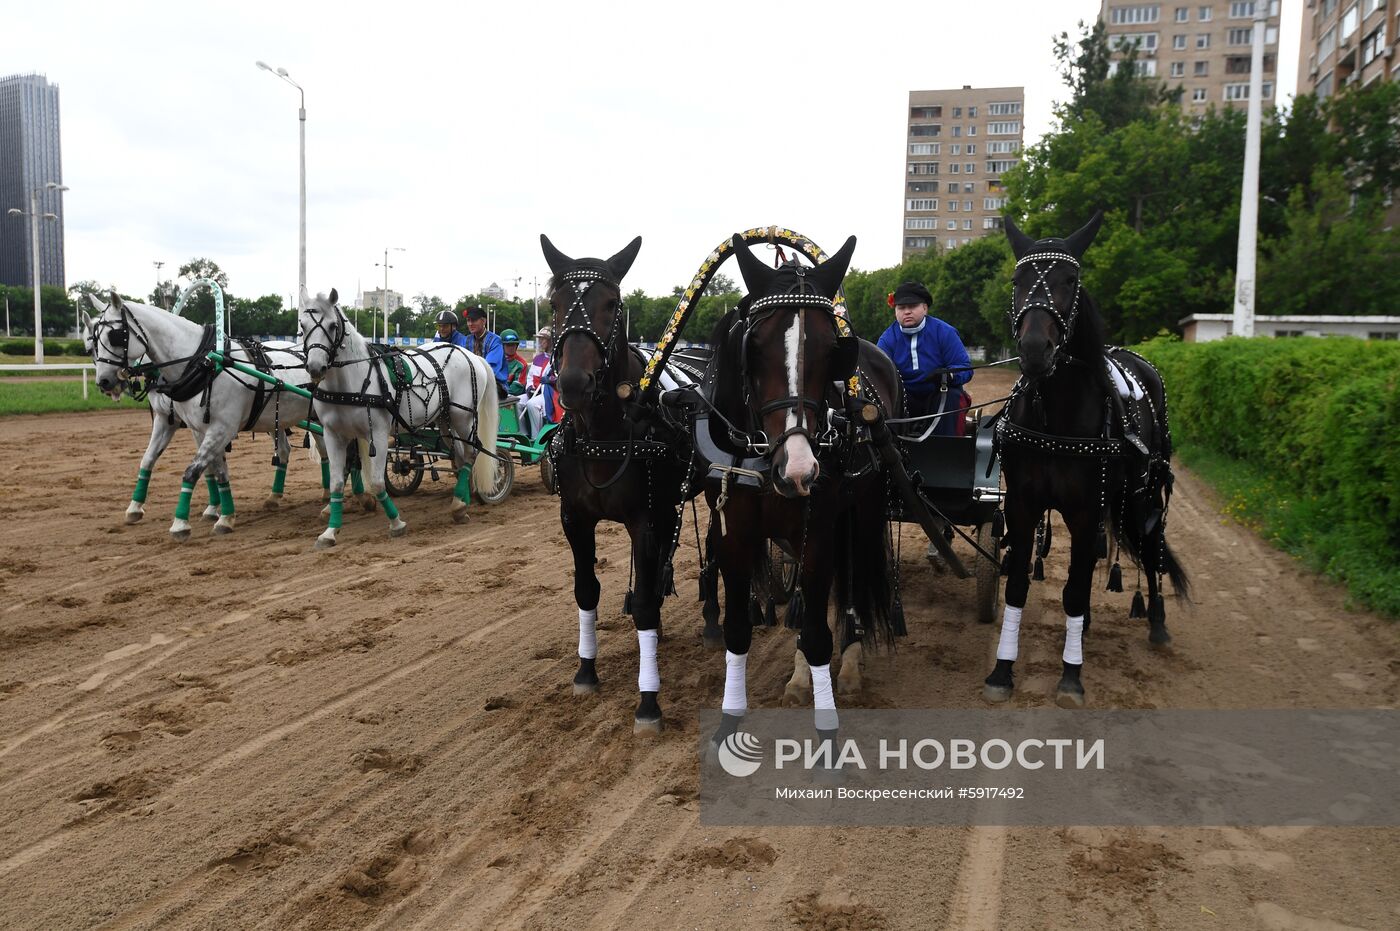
[(49, 397)]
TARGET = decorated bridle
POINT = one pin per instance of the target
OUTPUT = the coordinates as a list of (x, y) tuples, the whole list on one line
[(118, 334), (334, 343), (757, 441), (578, 322), (1039, 296)]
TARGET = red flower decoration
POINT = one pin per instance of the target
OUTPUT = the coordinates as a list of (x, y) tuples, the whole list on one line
[(890, 299)]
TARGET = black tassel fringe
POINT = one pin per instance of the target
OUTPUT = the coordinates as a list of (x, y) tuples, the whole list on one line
[(897, 619), (1039, 573), (1139, 608), (1115, 578), (793, 621), (770, 616), (627, 603)]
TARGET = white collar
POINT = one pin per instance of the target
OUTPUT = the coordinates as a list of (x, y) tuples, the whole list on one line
[(911, 330)]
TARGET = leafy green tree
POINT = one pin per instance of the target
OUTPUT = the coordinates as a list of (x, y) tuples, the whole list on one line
[(1116, 98), (1367, 121), (957, 299)]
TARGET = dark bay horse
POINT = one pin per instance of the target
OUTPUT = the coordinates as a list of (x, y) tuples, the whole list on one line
[(779, 369), (611, 462), (1070, 442)]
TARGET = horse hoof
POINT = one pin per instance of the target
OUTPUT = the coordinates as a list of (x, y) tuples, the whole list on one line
[(180, 536), (1069, 698), (585, 688), (134, 517), (221, 529), (210, 513), (996, 694), (646, 727), (1158, 637), (849, 685), (797, 696), (368, 504), (326, 511), (398, 531), (713, 638), (272, 502), (325, 543)]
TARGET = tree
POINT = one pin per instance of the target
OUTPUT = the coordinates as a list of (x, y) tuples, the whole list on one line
[(957, 298), (200, 307), (1367, 121), (1116, 96)]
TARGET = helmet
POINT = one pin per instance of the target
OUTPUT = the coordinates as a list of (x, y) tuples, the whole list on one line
[(446, 316), (544, 332), (509, 336)]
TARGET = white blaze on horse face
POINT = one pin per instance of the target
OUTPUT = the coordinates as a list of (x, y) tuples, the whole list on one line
[(801, 466)]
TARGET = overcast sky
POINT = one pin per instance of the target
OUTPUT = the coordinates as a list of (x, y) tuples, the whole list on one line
[(460, 133)]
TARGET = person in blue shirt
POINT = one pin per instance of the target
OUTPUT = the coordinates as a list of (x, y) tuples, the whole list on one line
[(924, 348), (486, 344), (447, 331)]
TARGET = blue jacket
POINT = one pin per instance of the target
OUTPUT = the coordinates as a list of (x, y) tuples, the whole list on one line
[(458, 339), (490, 348), (936, 346)]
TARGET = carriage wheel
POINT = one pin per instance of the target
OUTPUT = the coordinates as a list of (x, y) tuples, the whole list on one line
[(403, 472), (547, 474), (988, 577), (782, 574), (505, 480)]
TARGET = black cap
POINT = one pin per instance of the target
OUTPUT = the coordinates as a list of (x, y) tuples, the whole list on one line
[(911, 292), (476, 313)]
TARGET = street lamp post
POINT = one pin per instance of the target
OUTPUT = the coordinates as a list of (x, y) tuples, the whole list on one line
[(301, 115), (34, 217), (385, 296), (1243, 316)]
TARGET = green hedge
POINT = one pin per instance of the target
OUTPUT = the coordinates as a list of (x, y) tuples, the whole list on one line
[(1319, 421), (52, 347)]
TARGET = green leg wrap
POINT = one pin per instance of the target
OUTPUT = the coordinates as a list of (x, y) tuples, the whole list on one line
[(390, 510), (182, 509), (279, 480), (143, 482), (325, 474), (213, 487), (225, 499), (463, 490), (357, 481), (337, 509)]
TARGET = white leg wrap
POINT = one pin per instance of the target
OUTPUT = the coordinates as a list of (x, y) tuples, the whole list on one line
[(1010, 633), (648, 678), (822, 698), (588, 634), (1074, 640), (736, 683)]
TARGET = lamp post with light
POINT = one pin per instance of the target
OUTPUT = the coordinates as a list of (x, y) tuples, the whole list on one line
[(385, 305), (301, 115), (34, 217)]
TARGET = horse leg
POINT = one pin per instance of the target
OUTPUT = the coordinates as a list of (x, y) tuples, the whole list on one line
[(211, 512), (1083, 555), (281, 455), (1020, 536), (815, 645), (713, 636), (397, 526), (581, 532), (848, 680), (325, 459), (211, 446), (357, 478), (646, 615), (462, 492), (335, 453), (738, 637), (162, 431), (219, 470)]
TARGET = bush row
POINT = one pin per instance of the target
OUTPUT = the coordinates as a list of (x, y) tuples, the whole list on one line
[(1320, 416), (52, 347)]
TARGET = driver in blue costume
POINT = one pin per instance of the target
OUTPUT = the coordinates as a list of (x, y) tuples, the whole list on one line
[(484, 343), (924, 348), (447, 331)]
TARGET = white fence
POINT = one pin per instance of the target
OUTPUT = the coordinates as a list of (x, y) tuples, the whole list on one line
[(64, 367)]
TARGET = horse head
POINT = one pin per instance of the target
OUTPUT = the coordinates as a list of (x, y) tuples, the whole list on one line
[(1045, 293), (323, 327), (586, 297), (789, 354), (114, 343)]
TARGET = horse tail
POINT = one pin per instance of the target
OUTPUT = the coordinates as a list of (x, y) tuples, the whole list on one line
[(864, 566), (1130, 525), (488, 424)]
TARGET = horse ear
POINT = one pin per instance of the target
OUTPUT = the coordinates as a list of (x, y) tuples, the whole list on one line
[(87, 323), (558, 261), (757, 276), (94, 303), (1020, 242), (828, 275), (117, 301), (620, 263), (1080, 240), (335, 298)]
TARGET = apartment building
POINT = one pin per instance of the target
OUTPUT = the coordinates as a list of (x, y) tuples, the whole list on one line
[(31, 156), (1203, 48), (957, 145), (1346, 42)]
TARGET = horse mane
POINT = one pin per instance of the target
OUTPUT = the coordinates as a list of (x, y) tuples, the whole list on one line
[(1090, 331)]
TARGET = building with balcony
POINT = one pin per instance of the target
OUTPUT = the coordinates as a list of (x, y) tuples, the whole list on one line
[(1347, 42)]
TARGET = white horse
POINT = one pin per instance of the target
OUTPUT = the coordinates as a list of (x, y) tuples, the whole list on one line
[(164, 424), (366, 395), (216, 403)]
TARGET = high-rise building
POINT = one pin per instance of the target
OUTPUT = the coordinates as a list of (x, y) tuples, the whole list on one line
[(376, 299), (958, 144), (1347, 42), (30, 158), (1203, 48)]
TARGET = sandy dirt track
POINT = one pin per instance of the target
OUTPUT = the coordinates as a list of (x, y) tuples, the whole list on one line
[(240, 732)]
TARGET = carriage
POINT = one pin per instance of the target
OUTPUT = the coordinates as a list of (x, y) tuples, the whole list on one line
[(413, 454)]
